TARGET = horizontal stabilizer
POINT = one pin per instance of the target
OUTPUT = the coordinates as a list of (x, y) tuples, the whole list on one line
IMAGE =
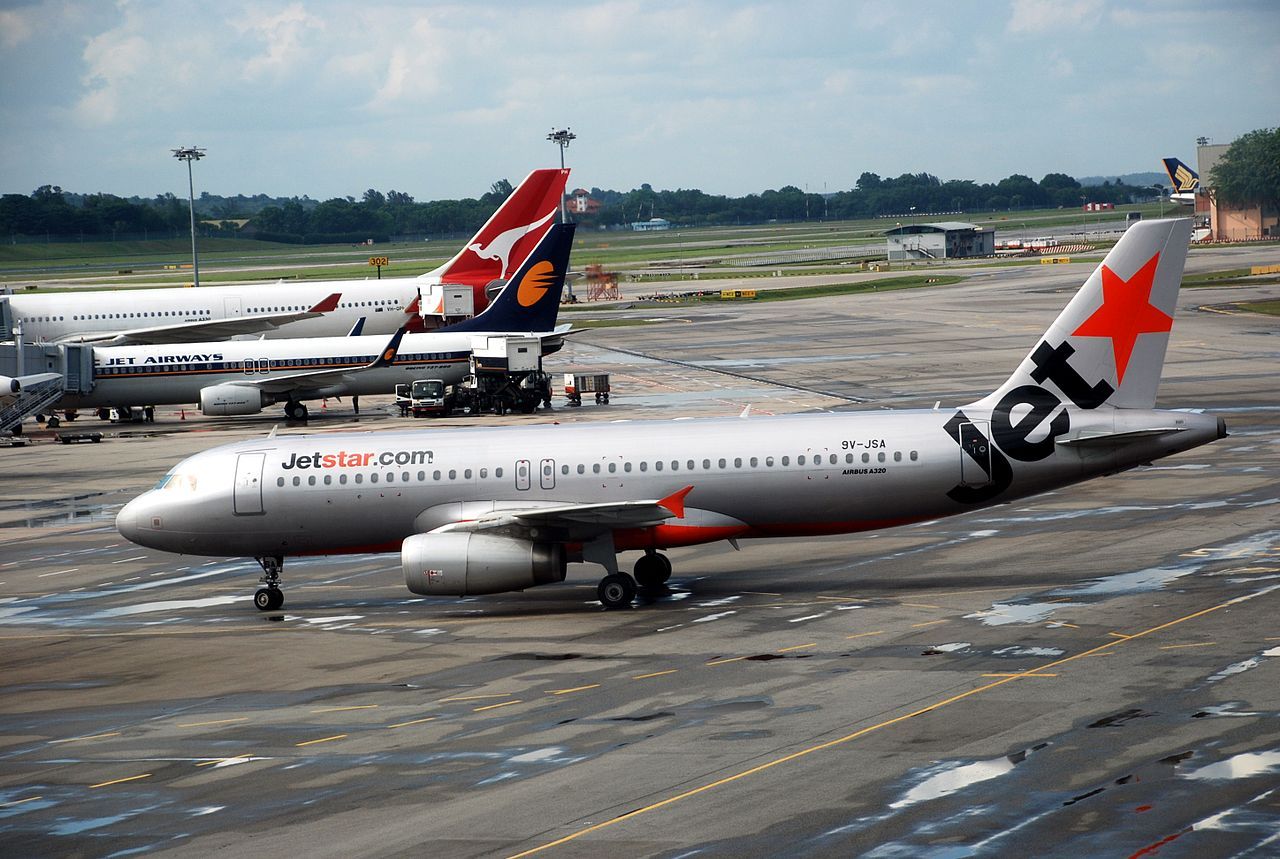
[(1113, 438)]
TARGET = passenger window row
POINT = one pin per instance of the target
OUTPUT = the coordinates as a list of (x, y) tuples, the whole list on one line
[(155, 314), (359, 478), (721, 464)]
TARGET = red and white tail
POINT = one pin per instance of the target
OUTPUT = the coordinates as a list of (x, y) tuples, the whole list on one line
[(513, 231), (1108, 345)]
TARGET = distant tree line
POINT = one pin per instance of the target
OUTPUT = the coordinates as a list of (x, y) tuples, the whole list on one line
[(871, 197), (50, 211)]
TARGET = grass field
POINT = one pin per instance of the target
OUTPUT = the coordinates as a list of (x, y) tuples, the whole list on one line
[(1270, 308), (706, 250)]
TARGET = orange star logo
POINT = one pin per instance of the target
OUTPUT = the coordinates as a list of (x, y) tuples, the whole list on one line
[(1125, 313)]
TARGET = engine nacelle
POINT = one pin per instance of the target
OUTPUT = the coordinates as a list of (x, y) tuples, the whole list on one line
[(220, 400), (462, 563)]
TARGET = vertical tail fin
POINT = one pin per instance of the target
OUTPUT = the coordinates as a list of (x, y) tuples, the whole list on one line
[(1184, 179), (1108, 345), (510, 233), (531, 299)]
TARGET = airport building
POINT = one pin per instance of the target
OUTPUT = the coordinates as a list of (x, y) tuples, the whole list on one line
[(1228, 222), (943, 240), (651, 225)]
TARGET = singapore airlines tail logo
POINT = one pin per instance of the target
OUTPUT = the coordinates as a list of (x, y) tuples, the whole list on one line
[(535, 283), (500, 248)]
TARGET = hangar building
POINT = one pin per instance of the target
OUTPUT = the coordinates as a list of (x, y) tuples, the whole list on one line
[(943, 240)]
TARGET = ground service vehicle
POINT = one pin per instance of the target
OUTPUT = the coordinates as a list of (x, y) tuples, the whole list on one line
[(577, 384), (427, 398)]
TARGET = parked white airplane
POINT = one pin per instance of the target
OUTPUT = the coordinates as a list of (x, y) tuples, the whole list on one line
[(488, 510), (281, 310), (240, 377)]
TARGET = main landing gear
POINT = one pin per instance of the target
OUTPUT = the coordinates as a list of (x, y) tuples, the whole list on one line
[(269, 597), (652, 570), (295, 411)]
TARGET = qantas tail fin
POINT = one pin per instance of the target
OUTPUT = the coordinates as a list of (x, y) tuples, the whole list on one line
[(510, 233), (1184, 179), (1107, 347), (531, 299)]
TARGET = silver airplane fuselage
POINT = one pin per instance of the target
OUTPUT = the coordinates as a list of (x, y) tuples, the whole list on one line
[(758, 477)]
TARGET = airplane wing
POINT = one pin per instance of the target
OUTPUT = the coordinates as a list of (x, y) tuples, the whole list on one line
[(315, 379), (582, 519), (214, 329)]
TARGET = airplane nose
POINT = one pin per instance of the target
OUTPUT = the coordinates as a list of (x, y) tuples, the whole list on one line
[(127, 521)]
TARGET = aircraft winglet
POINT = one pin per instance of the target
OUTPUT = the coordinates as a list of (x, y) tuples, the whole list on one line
[(328, 305), (675, 502)]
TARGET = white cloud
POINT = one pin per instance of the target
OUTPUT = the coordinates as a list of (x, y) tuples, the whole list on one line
[(1043, 16), (282, 33), (114, 59), (16, 27)]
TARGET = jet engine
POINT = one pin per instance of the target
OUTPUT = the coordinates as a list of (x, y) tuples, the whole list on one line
[(219, 400), (460, 563)]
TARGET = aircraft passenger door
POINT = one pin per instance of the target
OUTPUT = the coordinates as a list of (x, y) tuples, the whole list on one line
[(231, 308), (547, 474), (522, 474), (247, 497), (975, 453)]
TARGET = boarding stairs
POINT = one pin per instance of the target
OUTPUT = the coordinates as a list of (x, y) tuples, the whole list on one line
[(33, 399)]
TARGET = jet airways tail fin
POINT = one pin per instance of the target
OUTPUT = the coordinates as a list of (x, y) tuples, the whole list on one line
[(1108, 345), (1184, 179), (510, 233), (531, 299)]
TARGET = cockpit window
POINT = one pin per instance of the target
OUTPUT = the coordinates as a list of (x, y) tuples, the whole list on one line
[(176, 482), (162, 481)]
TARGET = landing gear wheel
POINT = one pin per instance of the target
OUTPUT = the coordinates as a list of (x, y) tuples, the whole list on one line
[(268, 599), (652, 571), (53, 422), (616, 590), (295, 411)]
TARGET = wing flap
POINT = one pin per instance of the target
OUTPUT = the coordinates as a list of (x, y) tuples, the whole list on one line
[(591, 517)]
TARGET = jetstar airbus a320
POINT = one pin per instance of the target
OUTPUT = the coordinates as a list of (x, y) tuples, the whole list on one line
[(481, 511)]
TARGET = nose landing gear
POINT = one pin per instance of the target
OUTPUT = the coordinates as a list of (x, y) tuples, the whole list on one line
[(269, 597)]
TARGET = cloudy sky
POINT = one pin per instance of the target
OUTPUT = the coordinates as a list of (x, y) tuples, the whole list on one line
[(438, 100)]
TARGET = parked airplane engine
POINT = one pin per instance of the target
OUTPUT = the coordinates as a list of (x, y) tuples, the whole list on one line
[(221, 400), (463, 563)]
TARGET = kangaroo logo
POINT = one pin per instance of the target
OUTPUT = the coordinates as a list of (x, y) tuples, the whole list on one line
[(535, 283), (500, 248)]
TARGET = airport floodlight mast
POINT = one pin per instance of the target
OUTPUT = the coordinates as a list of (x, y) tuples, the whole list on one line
[(561, 138), (189, 154)]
